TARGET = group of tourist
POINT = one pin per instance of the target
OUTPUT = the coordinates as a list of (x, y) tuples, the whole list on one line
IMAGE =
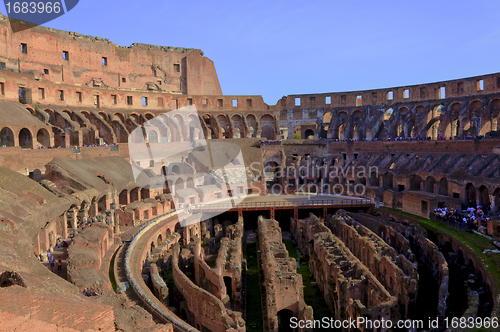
[(53, 263), (470, 217), (271, 142), (89, 292), (40, 146)]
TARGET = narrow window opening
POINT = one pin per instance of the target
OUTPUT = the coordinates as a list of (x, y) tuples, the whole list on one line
[(359, 100), (24, 48), (144, 101), (249, 102), (406, 93), (177, 68), (41, 93), (235, 102), (312, 101), (460, 88), (45, 71), (114, 99), (442, 92), (204, 101), (65, 55), (297, 101), (342, 99), (220, 102), (129, 100), (390, 95), (2, 88), (79, 96), (124, 80), (328, 100), (190, 101), (480, 85), (104, 61), (61, 94)]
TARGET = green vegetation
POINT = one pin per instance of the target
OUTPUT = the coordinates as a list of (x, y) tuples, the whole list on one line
[(112, 278), (254, 308), (297, 136), (169, 281), (475, 242), (312, 293)]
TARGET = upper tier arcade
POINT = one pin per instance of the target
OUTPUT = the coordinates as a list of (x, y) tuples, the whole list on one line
[(57, 56)]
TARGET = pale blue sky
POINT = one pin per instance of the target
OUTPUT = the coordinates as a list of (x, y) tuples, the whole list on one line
[(276, 48)]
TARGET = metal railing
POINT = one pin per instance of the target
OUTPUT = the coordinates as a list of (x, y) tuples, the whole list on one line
[(282, 204)]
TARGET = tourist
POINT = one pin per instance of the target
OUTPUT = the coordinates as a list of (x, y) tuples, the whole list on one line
[(52, 264), (59, 265)]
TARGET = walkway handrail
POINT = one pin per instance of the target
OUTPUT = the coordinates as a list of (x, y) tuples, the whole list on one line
[(149, 299), (304, 203)]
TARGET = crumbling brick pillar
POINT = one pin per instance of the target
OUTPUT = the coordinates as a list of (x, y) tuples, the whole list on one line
[(72, 218)]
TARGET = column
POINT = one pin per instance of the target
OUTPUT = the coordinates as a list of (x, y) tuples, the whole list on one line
[(72, 218)]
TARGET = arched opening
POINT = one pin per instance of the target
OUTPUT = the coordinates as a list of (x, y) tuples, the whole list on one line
[(284, 319), (134, 195), (268, 132), (176, 169), (388, 181), (25, 139), (153, 137), (484, 197), (430, 183), (388, 114), (470, 193), (6, 137), (189, 183), (415, 182), (309, 133), (145, 193), (122, 198), (179, 184), (443, 187), (159, 239), (43, 137), (101, 205)]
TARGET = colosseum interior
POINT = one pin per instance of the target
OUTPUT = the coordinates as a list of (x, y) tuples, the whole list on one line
[(377, 204)]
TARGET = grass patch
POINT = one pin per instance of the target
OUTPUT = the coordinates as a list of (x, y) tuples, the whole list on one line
[(112, 278), (312, 293), (476, 243), (254, 307)]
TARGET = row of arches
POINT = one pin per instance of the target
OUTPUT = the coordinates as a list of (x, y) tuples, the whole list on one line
[(24, 137), (441, 119), (86, 127)]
